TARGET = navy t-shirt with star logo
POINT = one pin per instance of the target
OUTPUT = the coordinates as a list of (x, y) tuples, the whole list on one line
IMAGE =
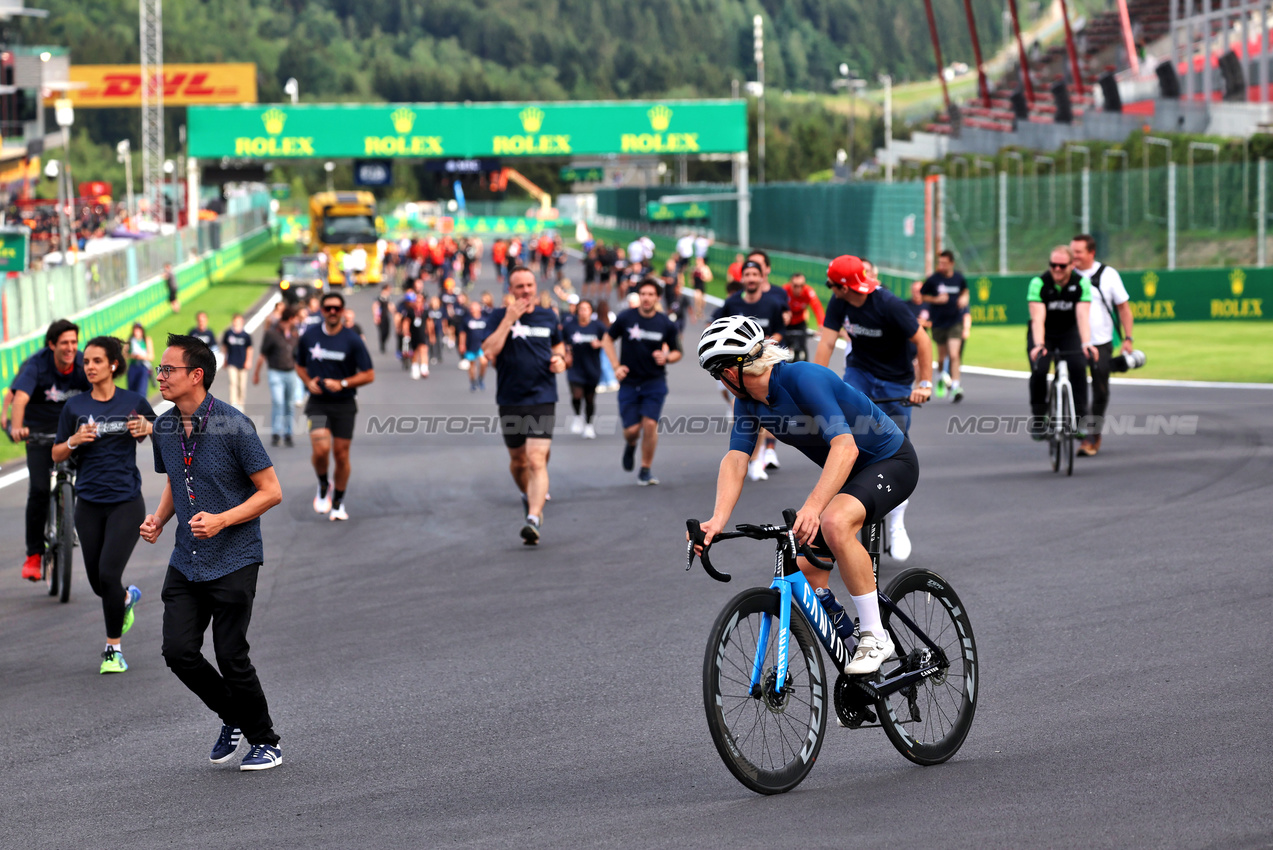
[(108, 465), (523, 375), (48, 388), (236, 344), (881, 330), (585, 361), (642, 336), (337, 356)]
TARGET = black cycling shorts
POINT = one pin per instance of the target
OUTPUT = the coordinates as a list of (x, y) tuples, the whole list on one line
[(336, 416), (519, 422), (880, 487)]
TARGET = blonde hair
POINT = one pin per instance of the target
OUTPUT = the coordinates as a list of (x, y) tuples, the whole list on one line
[(770, 354)]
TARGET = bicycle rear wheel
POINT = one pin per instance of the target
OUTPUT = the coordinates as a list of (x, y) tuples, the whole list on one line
[(768, 741), (927, 722), (65, 539), (1067, 430), (52, 577)]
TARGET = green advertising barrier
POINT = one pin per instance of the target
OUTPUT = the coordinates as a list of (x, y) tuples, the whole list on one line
[(297, 131), (656, 211), (146, 303), (15, 249), (1185, 295)]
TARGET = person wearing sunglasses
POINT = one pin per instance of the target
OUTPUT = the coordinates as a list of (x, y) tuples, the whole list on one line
[(332, 362), (881, 363), (1060, 301)]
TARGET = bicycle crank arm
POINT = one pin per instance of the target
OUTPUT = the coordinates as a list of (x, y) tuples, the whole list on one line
[(903, 680)]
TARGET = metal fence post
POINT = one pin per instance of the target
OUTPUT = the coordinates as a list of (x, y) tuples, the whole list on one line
[(1003, 222), (1171, 216), (1262, 210), (941, 213), (1085, 218), (744, 204)]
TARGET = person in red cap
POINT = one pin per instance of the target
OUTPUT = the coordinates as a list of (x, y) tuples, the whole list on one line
[(879, 364)]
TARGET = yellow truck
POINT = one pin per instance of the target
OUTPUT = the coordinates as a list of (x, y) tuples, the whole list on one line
[(343, 225)]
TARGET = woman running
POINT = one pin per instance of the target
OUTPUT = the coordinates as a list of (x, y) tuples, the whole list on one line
[(582, 332), (141, 353), (101, 429)]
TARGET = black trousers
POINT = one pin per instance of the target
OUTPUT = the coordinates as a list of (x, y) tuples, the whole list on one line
[(1078, 374), (796, 338), (234, 693), (383, 330), (108, 533), (1100, 387), (39, 467)]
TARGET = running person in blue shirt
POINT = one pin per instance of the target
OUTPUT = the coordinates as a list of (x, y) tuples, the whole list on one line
[(473, 331), (526, 345), (101, 430), (868, 465), (880, 364), (332, 361), (650, 342)]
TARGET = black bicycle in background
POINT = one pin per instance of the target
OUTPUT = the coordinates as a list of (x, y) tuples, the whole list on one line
[(59, 526), (766, 698)]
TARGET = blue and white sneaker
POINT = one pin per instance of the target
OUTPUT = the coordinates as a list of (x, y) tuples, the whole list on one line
[(134, 596), (262, 757), (227, 743)]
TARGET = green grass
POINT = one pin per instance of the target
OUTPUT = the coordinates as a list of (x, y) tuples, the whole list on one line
[(1183, 351), (236, 294)]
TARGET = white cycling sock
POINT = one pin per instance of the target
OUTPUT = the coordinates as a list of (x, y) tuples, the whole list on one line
[(868, 608), (897, 516)]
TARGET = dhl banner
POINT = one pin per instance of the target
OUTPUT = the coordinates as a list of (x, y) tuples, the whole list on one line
[(184, 85)]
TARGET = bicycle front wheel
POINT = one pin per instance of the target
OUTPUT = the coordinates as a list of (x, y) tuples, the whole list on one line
[(65, 540), (1054, 427), (928, 721), (1067, 430), (768, 740)]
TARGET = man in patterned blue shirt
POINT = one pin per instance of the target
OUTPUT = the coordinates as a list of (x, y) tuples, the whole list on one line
[(220, 482)]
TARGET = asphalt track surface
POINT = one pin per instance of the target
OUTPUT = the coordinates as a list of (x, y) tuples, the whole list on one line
[(437, 683)]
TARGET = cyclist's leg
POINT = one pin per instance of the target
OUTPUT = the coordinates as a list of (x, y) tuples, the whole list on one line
[(39, 468), (1078, 380)]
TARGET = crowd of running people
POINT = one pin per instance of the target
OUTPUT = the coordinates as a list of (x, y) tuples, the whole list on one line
[(317, 358)]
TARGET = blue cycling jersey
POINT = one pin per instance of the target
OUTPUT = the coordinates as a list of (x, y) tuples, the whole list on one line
[(807, 407)]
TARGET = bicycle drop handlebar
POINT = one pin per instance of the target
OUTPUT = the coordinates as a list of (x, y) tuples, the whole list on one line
[(755, 532)]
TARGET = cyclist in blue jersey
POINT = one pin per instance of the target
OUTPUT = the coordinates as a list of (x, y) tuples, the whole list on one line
[(868, 465)]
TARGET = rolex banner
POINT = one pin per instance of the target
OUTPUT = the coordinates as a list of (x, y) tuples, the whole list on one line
[(341, 131)]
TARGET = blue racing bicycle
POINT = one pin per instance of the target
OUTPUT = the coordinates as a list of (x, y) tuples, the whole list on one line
[(766, 700)]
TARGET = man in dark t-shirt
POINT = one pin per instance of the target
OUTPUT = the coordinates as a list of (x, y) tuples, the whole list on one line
[(945, 292), (46, 380), (332, 361), (525, 344), (202, 332), (650, 342), (237, 344), (879, 365)]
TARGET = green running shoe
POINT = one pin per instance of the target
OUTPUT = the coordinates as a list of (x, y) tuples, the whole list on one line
[(113, 662), (134, 596)]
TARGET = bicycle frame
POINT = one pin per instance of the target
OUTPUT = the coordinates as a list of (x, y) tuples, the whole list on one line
[(1061, 387), (795, 591)]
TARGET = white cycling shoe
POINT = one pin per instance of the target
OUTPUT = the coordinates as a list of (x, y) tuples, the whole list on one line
[(870, 655)]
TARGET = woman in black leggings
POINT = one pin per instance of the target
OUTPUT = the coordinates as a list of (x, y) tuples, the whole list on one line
[(101, 430)]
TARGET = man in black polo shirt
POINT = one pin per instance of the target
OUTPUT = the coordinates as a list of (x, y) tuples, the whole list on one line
[(528, 351), (332, 361), (43, 384), (650, 342), (219, 482), (879, 365)]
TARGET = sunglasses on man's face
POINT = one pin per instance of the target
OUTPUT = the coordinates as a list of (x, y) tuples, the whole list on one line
[(1059, 265), (332, 308)]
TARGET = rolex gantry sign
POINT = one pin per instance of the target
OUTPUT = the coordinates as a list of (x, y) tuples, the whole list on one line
[(416, 130)]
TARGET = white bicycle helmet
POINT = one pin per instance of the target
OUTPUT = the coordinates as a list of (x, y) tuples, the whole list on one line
[(729, 341)]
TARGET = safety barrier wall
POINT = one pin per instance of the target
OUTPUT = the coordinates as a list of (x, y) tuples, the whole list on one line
[(146, 302)]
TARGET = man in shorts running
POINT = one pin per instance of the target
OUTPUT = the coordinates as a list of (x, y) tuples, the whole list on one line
[(526, 346), (946, 294), (332, 361), (868, 466), (650, 342)]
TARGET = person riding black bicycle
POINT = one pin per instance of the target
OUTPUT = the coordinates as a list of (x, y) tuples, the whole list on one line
[(868, 465), (1060, 301), (43, 384)]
